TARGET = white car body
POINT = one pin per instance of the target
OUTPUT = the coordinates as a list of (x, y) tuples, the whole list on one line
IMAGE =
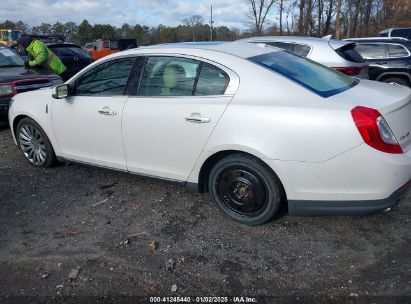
[(310, 142)]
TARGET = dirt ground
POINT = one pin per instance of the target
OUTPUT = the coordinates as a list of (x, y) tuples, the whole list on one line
[(132, 236)]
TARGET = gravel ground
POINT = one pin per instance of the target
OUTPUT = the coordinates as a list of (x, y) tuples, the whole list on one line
[(134, 236)]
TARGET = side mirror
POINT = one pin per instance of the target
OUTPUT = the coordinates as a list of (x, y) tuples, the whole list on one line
[(62, 91)]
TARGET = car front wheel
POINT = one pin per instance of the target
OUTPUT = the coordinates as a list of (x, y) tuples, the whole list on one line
[(244, 189), (34, 143)]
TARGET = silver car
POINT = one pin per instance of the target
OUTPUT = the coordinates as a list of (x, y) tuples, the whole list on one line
[(336, 54)]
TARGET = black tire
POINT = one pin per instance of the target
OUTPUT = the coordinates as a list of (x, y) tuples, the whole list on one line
[(244, 189), (42, 142), (401, 81)]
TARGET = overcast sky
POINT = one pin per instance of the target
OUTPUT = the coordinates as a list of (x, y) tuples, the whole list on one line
[(116, 12)]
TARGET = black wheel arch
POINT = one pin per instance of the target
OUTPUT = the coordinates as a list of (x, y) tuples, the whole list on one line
[(403, 75), (16, 121), (213, 159)]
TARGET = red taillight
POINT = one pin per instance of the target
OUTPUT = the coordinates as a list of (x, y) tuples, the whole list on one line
[(375, 130), (350, 71)]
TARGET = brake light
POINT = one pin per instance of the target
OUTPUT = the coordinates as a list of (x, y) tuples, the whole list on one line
[(350, 71), (375, 130)]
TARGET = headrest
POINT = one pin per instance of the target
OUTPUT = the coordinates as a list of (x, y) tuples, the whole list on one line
[(173, 74)]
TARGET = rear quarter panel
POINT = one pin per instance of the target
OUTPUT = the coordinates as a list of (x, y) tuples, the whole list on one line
[(280, 119)]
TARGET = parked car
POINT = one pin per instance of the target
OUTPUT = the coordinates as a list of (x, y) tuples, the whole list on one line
[(15, 78), (336, 54), (72, 55), (404, 32), (253, 125), (389, 58), (104, 47)]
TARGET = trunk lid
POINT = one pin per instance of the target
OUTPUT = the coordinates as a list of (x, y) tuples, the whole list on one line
[(399, 120)]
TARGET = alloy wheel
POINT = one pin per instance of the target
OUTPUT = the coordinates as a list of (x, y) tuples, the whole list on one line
[(32, 144)]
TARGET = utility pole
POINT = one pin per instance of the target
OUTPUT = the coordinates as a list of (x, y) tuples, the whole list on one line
[(211, 24)]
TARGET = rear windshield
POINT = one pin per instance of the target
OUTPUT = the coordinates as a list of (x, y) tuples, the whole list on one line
[(349, 53), (71, 51), (315, 77)]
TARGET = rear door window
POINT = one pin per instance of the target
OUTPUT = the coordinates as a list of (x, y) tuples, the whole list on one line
[(169, 76), (177, 76), (211, 81), (372, 50), (282, 45), (301, 50), (295, 48), (396, 51), (311, 75)]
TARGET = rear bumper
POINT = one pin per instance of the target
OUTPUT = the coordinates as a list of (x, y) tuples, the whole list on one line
[(300, 207), (359, 181)]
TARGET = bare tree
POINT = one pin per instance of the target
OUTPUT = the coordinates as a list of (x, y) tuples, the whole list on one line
[(290, 15), (337, 20), (194, 23), (329, 14), (259, 10), (301, 18), (281, 16)]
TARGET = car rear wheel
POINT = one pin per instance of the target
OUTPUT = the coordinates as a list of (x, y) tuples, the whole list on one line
[(34, 143), (401, 81), (244, 189)]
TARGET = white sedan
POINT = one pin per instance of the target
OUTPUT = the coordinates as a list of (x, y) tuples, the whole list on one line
[(253, 125)]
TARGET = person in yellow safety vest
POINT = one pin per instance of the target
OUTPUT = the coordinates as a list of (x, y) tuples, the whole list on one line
[(41, 56)]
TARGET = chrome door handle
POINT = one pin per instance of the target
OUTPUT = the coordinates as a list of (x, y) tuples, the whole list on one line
[(107, 112), (197, 119)]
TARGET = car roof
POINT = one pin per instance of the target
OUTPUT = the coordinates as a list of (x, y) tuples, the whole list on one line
[(381, 40), (388, 39), (239, 49), (395, 28), (299, 39), (60, 44)]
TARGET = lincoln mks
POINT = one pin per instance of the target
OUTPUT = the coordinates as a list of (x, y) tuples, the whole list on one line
[(253, 125)]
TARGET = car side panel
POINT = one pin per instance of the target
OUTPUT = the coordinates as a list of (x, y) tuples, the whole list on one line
[(347, 177), (38, 106)]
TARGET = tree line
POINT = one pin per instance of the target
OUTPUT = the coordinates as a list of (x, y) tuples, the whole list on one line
[(340, 18), (194, 28)]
